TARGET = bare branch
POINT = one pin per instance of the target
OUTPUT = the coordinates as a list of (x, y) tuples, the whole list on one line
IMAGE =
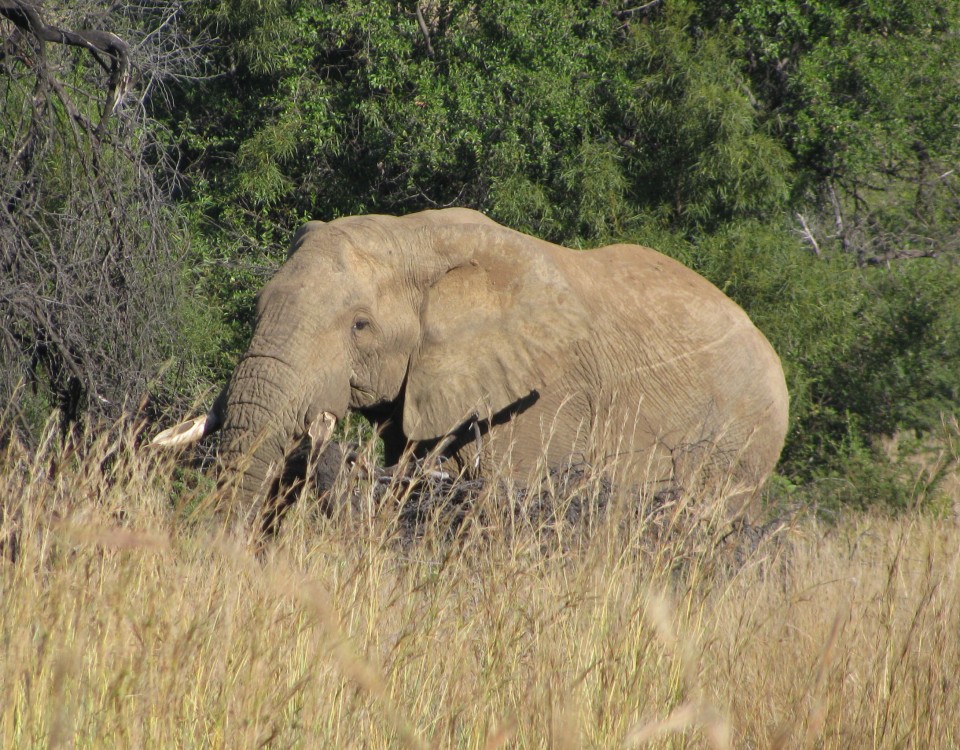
[(809, 235), (27, 18), (838, 216), (423, 28), (644, 9)]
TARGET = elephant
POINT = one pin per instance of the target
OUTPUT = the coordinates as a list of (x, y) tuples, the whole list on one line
[(504, 353)]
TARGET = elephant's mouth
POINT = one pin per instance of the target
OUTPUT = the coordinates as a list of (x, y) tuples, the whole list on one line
[(362, 396)]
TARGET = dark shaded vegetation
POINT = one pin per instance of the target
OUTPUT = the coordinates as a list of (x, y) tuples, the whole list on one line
[(801, 155)]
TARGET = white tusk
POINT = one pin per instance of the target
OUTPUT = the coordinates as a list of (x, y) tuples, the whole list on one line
[(182, 434), (322, 428)]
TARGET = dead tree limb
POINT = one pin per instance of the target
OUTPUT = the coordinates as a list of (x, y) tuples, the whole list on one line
[(625, 13), (809, 235), (423, 28), (109, 50)]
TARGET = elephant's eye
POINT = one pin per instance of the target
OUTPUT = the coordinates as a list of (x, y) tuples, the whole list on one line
[(360, 324)]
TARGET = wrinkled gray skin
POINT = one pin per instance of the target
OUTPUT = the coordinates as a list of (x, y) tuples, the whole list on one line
[(443, 325)]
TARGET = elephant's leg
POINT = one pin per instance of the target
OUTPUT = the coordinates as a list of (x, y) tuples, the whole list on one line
[(394, 441), (387, 420)]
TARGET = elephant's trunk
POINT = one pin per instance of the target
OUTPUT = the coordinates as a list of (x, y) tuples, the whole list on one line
[(261, 418)]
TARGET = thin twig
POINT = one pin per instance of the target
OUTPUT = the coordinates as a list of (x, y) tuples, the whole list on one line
[(645, 8), (809, 235), (426, 32)]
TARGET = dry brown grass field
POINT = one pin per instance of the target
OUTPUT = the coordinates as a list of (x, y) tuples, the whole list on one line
[(128, 619)]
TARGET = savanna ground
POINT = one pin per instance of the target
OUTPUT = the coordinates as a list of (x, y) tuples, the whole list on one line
[(129, 619)]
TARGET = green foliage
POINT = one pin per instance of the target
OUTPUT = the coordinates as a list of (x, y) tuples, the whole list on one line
[(901, 372), (866, 98), (699, 152), (555, 117)]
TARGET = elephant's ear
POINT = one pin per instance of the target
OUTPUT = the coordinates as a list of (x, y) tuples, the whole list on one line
[(497, 321)]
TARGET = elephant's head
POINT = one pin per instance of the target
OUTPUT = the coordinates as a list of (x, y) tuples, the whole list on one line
[(431, 319)]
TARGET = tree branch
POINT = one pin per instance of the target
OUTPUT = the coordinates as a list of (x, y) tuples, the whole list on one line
[(626, 13), (100, 44), (809, 235), (423, 27)]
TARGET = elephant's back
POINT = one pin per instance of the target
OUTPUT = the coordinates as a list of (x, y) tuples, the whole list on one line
[(671, 310), (650, 282), (686, 353)]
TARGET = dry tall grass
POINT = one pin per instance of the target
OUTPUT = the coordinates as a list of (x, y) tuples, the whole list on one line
[(127, 621)]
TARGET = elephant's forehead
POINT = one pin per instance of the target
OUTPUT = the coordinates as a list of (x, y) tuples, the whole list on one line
[(344, 276), (369, 246)]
